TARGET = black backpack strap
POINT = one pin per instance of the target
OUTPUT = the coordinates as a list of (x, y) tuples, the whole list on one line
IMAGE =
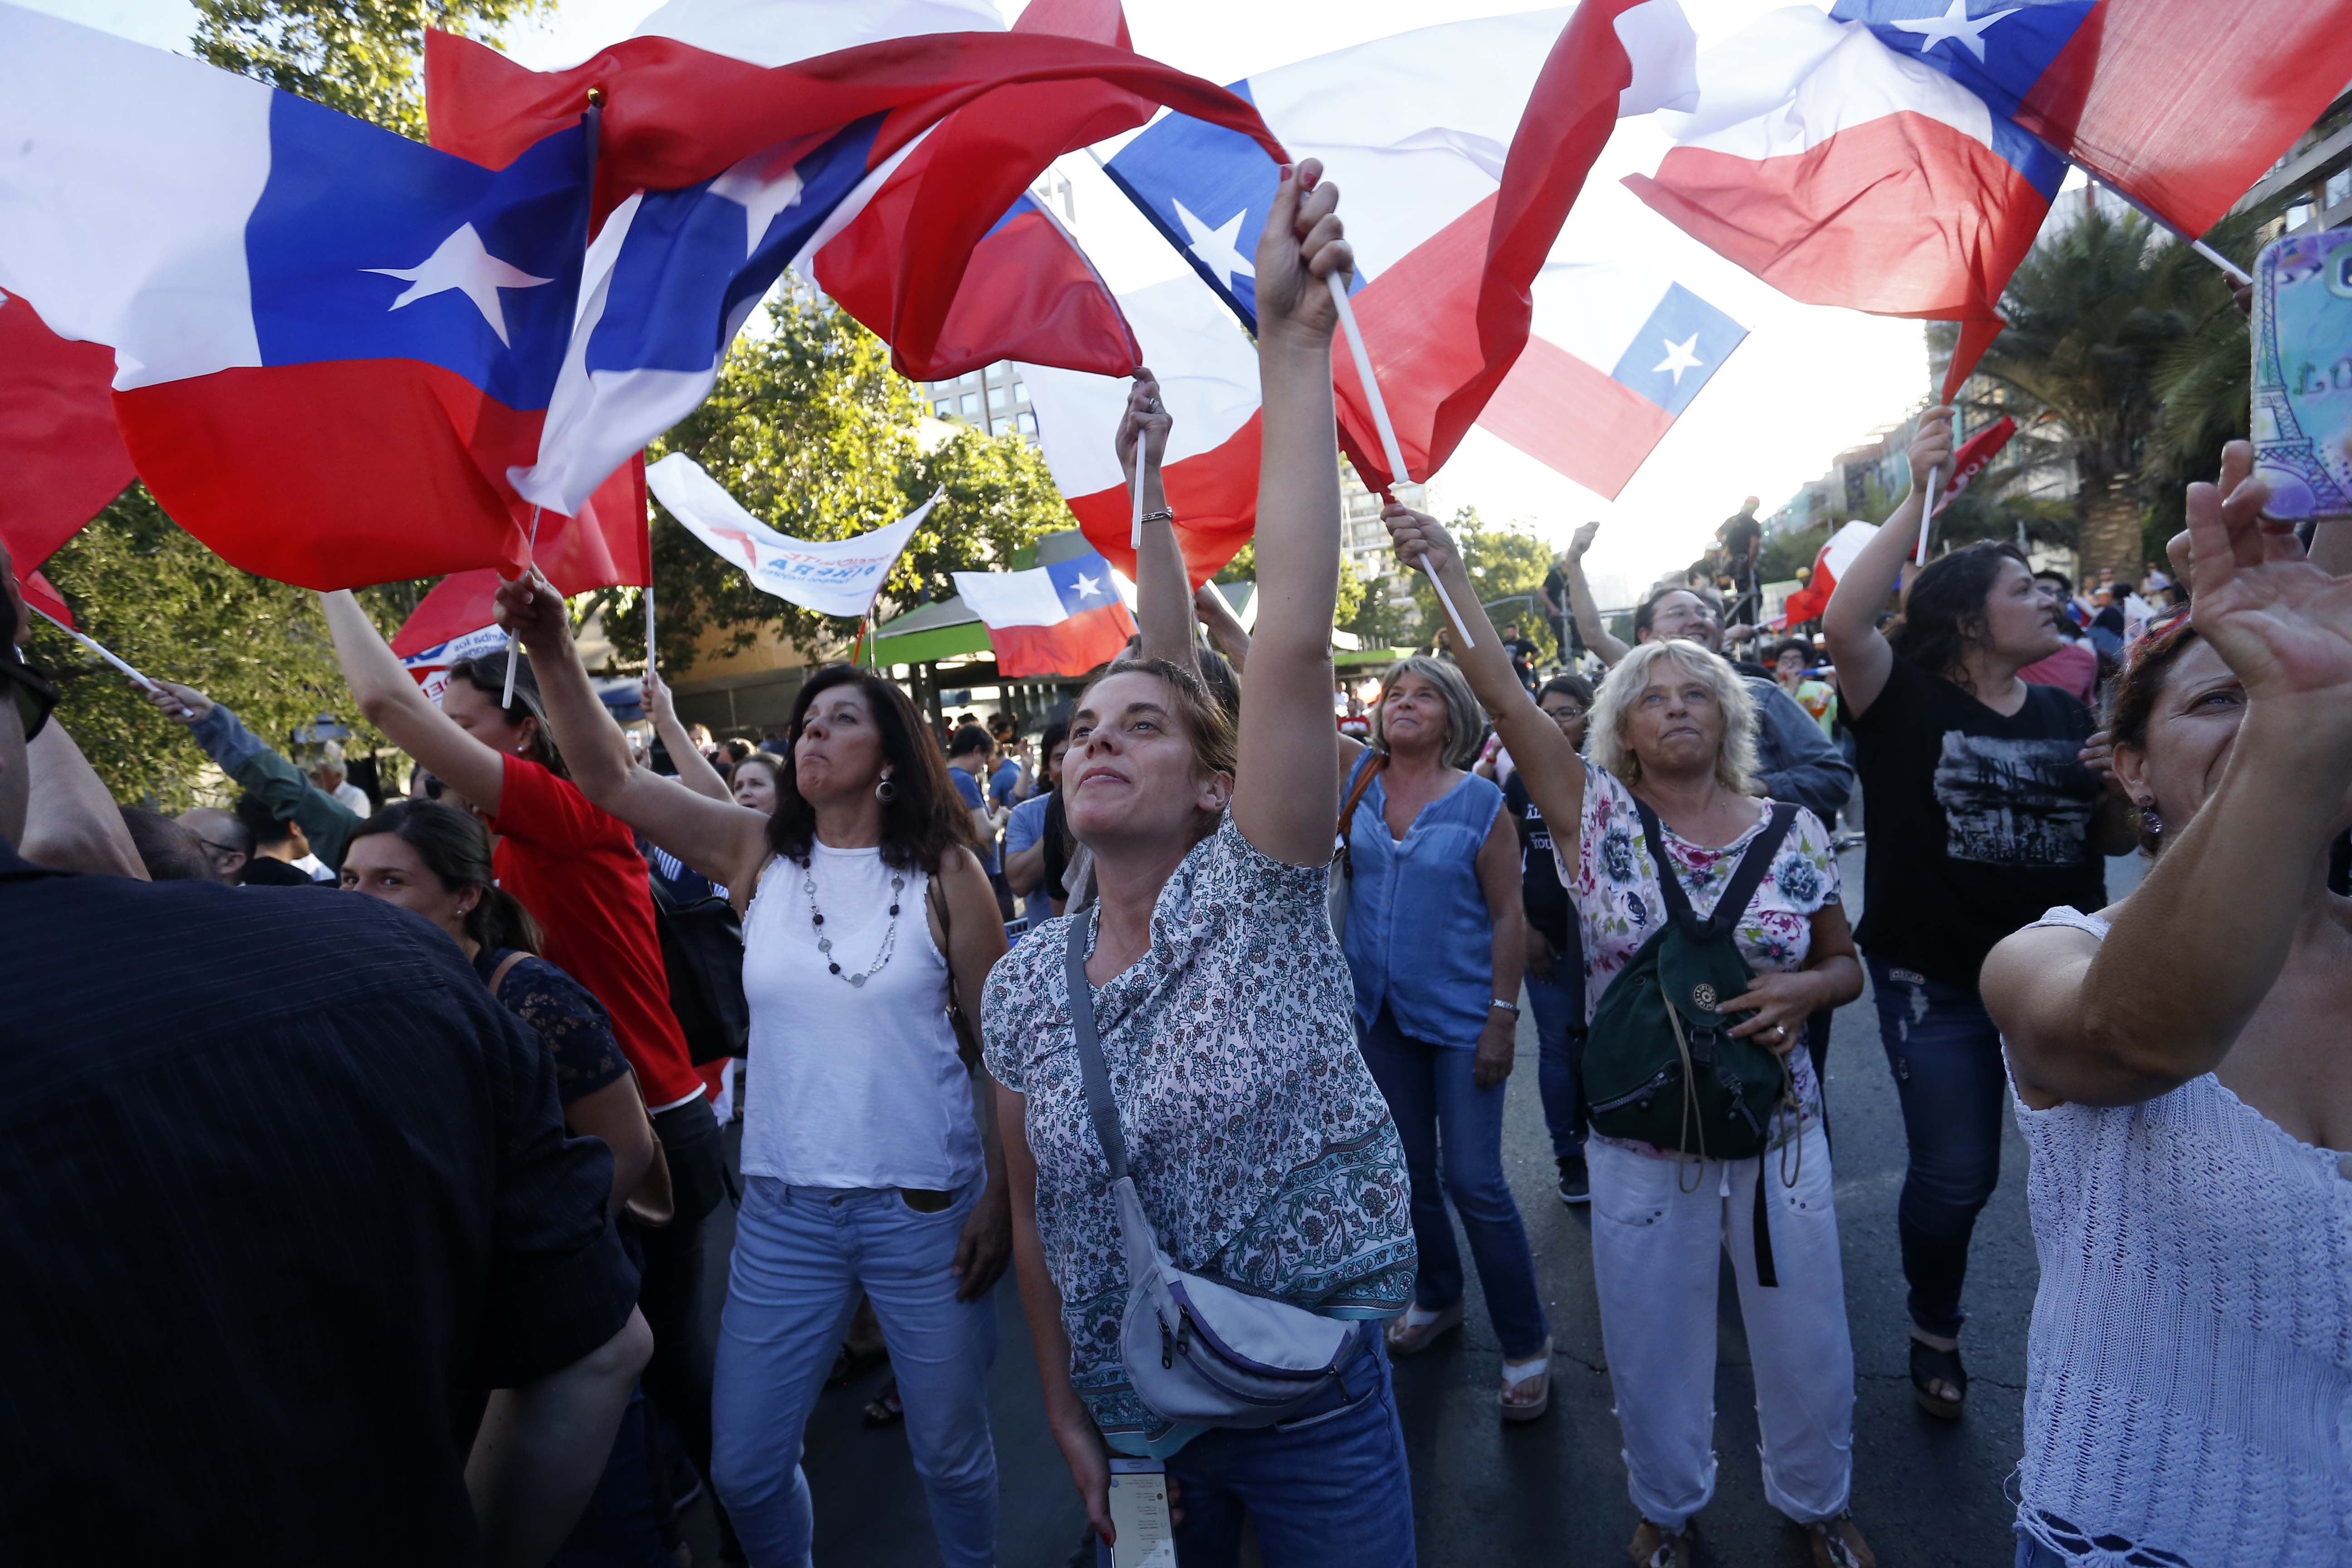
[(1092, 1071), (1745, 877)]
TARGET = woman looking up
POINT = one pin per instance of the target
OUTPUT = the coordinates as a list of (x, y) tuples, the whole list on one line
[(1670, 785), (578, 871), (2188, 1100), (1982, 816), (863, 1166), (1262, 1150), (1436, 942)]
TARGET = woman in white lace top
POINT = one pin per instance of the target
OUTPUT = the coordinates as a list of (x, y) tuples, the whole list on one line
[(2182, 1075)]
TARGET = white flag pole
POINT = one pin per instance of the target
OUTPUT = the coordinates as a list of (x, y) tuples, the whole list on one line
[(95, 646), (649, 622), (1389, 447), (1135, 538), (2230, 269), (513, 646), (1927, 514)]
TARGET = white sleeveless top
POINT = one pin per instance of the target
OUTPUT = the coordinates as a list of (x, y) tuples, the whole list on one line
[(2189, 1376), (851, 1086)]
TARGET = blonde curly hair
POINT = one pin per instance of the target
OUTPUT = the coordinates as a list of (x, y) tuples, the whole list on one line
[(1735, 759)]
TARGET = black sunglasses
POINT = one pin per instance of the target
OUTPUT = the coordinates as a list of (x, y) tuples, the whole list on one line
[(36, 697)]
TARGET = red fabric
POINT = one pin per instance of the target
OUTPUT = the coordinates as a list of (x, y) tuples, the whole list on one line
[(1072, 647), (42, 595), (605, 546), (61, 458), (578, 871), (676, 114), (352, 472), (2186, 103), (1215, 497), (2073, 667), (1029, 292), (1575, 418), (1900, 216), (1975, 455)]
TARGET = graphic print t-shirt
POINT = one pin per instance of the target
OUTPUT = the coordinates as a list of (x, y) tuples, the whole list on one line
[(1978, 821)]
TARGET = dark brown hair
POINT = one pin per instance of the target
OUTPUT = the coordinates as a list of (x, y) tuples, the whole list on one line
[(487, 673), (456, 848), (1943, 611), (923, 819), (1207, 726)]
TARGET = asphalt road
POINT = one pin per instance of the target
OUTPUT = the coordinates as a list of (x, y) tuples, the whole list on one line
[(1553, 1492)]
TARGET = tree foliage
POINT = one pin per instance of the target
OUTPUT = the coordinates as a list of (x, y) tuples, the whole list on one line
[(362, 57), (1507, 562), (814, 432)]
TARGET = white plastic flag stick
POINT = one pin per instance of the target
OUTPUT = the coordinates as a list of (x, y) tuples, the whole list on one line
[(513, 646), (1927, 514), (1135, 541), (1389, 447), (2230, 269), (95, 646), (649, 621)]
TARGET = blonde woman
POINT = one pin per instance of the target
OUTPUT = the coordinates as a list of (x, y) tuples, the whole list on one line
[(1672, 742)]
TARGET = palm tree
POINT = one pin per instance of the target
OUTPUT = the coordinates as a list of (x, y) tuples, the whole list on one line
[(2093, 314)]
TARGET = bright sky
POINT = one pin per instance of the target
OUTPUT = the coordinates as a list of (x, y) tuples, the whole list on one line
[(1808, 381)]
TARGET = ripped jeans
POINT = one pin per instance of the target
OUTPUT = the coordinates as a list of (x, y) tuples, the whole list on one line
[(1945, 1054)]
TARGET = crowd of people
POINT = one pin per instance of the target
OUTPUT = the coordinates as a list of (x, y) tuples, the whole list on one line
[(1204, 1032)]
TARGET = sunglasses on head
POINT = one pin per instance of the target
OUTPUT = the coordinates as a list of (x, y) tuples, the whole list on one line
[(30, 686)]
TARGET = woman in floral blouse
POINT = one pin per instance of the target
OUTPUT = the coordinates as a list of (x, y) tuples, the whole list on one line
[(1674, 728), (1262, 1149)]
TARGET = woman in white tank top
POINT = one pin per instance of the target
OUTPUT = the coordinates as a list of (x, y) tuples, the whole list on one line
[(2182, 1075), (864, 1160)]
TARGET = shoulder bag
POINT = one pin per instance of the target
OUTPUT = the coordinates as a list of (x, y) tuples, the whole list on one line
[(1198, 1352), (967, 1034), (1343, 863), (702, 957)]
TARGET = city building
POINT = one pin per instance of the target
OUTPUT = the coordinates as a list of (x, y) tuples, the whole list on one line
[(2311, 187), (1363, 537)]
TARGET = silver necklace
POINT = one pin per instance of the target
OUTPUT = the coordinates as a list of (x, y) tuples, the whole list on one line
[(825, 942)]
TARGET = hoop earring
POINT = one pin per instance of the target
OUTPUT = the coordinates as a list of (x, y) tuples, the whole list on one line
[(885, 792)]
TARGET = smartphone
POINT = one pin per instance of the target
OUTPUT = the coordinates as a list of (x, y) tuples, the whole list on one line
[(2302, 337), (1138, 1515)]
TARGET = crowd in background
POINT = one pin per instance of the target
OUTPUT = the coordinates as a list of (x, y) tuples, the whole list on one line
[(1202, 1026)]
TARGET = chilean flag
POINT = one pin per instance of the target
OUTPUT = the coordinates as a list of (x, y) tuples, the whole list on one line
[(1836, 557), (60, 454), (1063, 619), (331, 343), (1458, 149), (720, 173), (2179, 104), (1843, 171)]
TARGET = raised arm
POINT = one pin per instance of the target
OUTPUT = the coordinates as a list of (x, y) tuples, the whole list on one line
[(1284, 798), (694, 769), (286, 789), (726, 842), (1224, 628), (2122, 1021), (1163, 597), (1857, 648), (1597, 636), (1555, 773), (395, 704)]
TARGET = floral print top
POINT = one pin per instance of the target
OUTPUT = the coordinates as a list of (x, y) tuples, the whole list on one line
[(1258, 1141), (1618, 903)]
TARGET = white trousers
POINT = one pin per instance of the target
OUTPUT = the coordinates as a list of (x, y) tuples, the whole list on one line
[(1655, 1253)]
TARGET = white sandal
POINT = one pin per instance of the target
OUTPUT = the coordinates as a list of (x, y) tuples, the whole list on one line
[(1517, 1374), (1410, 1334)]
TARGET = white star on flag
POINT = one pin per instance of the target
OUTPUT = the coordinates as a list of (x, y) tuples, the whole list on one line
[(1214, 247), (459, 262), (1954, 25), (761, 197), (1089, 588), (1679, 357)]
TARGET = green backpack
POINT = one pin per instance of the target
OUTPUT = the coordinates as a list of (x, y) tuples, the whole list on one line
[(1659, 1064)]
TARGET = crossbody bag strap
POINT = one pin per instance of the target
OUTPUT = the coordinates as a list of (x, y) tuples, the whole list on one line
[(1368, 767), (1745, 877), (1092, 1071)]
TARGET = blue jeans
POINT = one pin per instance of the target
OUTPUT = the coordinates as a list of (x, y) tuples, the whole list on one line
[(1946, 1056), (801, 1255), (1329, 1488), (1442, 1116), (1560, 1062)]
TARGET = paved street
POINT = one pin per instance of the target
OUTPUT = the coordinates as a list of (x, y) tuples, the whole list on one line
[(1553, 1492)]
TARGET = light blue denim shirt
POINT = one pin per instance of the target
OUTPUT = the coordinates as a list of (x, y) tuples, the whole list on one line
[(1418, 937)]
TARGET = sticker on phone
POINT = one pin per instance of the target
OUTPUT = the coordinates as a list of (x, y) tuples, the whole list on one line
[(1138, 1515), (2303, 373)]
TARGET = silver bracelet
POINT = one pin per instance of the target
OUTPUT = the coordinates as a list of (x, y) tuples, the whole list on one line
[(1500, 1005), (1165, 514)]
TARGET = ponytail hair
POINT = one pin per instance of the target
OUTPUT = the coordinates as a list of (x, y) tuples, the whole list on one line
[(457, 850)]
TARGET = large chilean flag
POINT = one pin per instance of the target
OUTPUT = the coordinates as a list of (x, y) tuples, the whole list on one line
[(61, 458), (331, 343)]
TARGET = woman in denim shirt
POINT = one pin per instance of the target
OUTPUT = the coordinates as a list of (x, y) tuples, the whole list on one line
[(1436, 941)]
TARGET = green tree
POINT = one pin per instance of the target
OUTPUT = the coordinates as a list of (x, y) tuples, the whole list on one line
[(362, 57), (814, 432), (1504, 562), (1353, 583), (2095, 316)]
